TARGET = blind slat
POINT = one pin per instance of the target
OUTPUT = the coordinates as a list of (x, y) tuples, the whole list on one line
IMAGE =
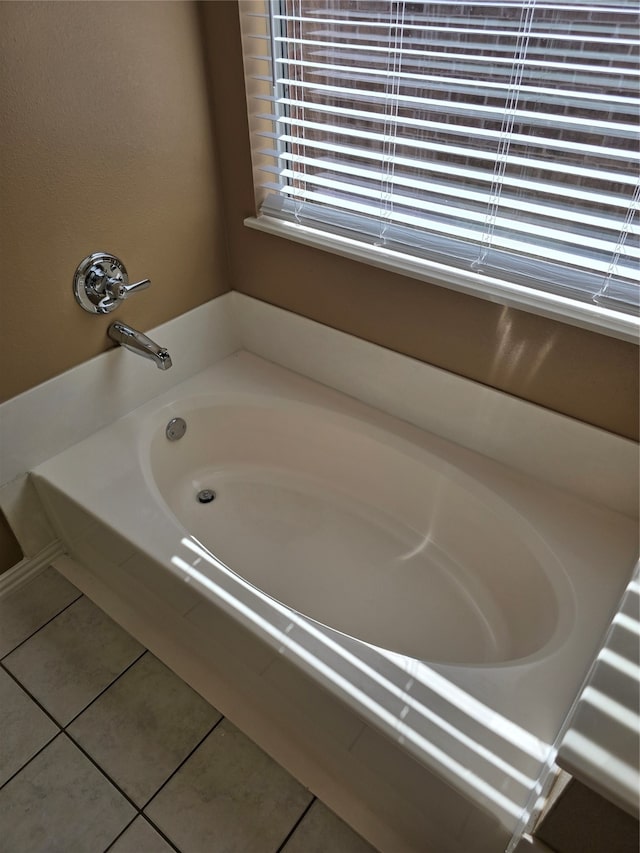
[(569, 170), (416, 57), (387, 197), (482, 34), (459, 175), (563, 69), (542, 52), (455, 108), (457, 84), (567, 145), (456, 231)]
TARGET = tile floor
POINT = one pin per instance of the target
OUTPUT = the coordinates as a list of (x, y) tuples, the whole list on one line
[(104, 748)]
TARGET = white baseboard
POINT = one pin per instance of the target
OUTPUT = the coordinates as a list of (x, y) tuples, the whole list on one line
[(29, 567)]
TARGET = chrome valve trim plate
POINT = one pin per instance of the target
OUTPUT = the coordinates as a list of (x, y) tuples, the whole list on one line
[(101, 282)]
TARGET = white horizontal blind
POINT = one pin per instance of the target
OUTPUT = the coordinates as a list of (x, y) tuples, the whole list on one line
[(499, 138)]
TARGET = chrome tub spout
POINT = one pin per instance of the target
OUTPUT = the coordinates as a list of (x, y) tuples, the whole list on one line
[(139, 343)]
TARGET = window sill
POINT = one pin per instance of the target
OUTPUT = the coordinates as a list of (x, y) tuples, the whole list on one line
[(592, 317)]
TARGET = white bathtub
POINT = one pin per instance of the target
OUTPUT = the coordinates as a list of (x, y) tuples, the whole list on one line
[(445, 606)]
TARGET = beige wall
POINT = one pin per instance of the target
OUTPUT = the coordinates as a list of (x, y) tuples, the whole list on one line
[(582, 374), (106, 146)]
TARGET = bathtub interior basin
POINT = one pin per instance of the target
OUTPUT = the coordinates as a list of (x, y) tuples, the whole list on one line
[(363, 534)]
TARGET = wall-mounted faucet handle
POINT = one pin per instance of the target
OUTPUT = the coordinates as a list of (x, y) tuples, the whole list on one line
[(101, 283), (117, 290)]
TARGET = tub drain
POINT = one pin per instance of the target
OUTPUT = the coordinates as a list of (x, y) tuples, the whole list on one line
[(206, 496)]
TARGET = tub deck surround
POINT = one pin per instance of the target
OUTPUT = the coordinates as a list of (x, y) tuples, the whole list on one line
[(478, 714), (559, 450), (611, 696), (92, 395)]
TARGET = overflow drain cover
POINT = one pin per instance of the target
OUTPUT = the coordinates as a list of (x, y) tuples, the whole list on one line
[(176, 428), (206, 496)]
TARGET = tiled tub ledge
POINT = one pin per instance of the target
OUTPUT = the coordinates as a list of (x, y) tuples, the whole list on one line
[(417, 753)]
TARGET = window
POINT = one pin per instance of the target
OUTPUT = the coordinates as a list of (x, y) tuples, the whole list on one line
[(487, 146)]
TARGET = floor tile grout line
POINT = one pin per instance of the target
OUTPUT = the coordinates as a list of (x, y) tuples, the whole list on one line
[(30, 695), (151, 824), (29, 760), (63, 726), (160, 832), (121, 833), (62, 729), (296, 824), (104, 690), (44, 624), (182, 763), (139, 810), (102, 771)]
